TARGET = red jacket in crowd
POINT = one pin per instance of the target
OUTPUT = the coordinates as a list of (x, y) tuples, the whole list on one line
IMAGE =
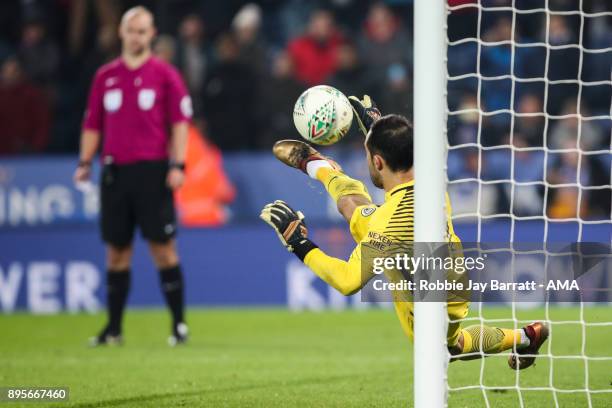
[(314, 61)]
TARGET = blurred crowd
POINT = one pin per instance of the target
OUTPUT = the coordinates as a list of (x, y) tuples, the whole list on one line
[(245, 64), (540, 109)]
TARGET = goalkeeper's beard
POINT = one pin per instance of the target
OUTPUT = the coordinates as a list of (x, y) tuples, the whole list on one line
[(375, 176)]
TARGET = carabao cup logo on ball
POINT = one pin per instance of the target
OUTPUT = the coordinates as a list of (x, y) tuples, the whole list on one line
[(322, 115), (321, 123)]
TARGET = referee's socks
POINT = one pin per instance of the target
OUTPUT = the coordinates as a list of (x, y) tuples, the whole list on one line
[(172, 286), (117, 289)]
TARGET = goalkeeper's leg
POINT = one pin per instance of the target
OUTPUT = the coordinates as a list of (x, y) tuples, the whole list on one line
[(347, 192), (473, 341), (477, 341)]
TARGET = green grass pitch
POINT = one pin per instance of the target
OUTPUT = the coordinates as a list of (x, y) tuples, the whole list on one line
[(275, 358)]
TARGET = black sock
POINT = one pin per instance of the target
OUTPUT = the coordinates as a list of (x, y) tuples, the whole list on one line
[(117, 289), (172, 286)]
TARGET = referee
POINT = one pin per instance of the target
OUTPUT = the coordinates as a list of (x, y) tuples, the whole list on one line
[(139, 110)]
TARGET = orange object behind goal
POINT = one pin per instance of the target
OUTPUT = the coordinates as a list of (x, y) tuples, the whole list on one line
[(207, 190)]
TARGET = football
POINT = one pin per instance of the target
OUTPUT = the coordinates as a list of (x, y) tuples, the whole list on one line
[(322, 115)]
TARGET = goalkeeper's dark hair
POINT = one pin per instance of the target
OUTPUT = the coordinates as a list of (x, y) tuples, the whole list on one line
[(391, 137)]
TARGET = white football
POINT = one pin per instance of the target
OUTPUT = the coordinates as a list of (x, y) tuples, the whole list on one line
[(322, 115)]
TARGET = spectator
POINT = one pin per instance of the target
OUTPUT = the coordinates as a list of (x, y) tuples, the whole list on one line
[(384, 43), (85, 16), (572, 128), (292, 21), (165, 48), (563, 63), (314, 53), (192, 58), (531, 127), (246, 26), (355, 78), (280, 92), (464, 128), (567, 168), (600, 199), (38, 54), (527, 199), (559, 32), (107, 48), (398, 95), (24, 112), (470, 197), (228, 98), (203, 198), (495, 61), (352, 76), (597, 66)]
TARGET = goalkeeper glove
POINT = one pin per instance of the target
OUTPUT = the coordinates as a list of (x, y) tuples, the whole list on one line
[(289, 226), (366, 111)]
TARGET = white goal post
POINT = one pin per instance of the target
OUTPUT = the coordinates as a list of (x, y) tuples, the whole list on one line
[(562, 170), (430, 321)]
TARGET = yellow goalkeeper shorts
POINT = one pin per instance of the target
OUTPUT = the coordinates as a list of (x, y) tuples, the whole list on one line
[(455, 310)]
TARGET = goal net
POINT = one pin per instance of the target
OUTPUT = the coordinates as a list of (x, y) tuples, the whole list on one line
[(528, 118)]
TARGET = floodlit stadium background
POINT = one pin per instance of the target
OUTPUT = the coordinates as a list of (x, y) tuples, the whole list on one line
[(245, 65)]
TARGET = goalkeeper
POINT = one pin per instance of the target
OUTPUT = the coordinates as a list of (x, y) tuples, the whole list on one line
[(389, 153)]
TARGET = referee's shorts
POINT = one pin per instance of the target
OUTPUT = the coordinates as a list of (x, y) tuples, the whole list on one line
[(136, 195)]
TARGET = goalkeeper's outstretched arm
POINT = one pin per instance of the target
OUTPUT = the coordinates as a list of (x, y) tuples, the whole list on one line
[(345, 276)]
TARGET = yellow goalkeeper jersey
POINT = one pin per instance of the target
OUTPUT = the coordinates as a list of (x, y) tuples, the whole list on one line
[(372, 226)]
